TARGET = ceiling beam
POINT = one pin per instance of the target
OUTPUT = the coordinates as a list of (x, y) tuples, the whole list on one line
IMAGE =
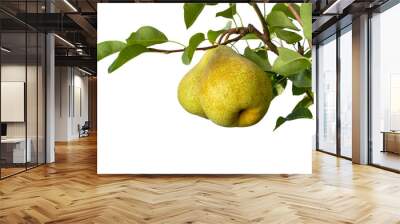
[(79, 61), (49, 22), (337, 6), (86, 26)]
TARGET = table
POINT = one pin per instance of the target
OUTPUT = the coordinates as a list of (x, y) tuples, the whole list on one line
[(391, 141), (15, 148)]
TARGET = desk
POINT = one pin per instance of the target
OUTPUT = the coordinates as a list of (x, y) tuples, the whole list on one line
[(391, 141), (15, 148)]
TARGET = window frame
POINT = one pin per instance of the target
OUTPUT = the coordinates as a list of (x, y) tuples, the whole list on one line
[(339, 32)]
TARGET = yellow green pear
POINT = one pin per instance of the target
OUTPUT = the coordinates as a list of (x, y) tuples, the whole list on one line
[(189, 87), (226, 88)]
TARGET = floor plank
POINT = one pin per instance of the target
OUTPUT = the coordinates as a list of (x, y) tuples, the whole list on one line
[(70, 191)]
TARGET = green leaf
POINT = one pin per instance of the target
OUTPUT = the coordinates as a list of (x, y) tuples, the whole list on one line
[(290, 62), (229, 12), (194, 41), (278, 84), (125, 55), (107, 48), (300, 111), (278, 19), (258, 57), (308, 54), (306, 17), (284, 8), (279, 122), (146, 36), (279, 88), (305, 102), (212, 35), (296, 91), (302, 79), (211, 3), (297, 113), (191, 11), (288, 36), (250, 36)]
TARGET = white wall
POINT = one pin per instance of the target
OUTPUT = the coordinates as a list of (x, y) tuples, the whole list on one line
[(17, 73), (62, 81), (12, 73), (80, 84), (70, 83)]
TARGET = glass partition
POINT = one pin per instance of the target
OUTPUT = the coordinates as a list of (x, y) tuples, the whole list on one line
[(14, 155), (385, 90), (327, 95), (41, 107), (22, 90), (32, 96), (346, 92)]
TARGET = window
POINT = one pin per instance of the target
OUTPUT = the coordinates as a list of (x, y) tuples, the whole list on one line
[(22, 101), (385, 89), (345, 92), (327, 95)]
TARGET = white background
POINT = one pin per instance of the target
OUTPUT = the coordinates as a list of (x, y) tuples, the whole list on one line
[(144, 130)]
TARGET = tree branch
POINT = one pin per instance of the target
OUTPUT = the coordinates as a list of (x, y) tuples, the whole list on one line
[(260, 35), (300, 48), (266, 35), (241, 31), (240, 36), (229, 32)]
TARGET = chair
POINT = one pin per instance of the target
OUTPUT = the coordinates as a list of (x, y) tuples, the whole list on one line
[(84, 130)]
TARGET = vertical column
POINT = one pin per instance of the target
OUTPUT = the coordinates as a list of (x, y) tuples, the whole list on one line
[(92, 99), (360, 90), (338, 91), (50, 92), (314, 89)]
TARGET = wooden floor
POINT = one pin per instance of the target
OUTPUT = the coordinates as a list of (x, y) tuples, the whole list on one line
[(9, 171), (387, 159), (5, 172), (69, 191)]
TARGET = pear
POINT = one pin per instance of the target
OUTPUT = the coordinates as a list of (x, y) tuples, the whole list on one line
[(226, 88), (189, 87)]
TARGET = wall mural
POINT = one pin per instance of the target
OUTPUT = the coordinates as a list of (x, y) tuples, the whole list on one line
[(243, 58)]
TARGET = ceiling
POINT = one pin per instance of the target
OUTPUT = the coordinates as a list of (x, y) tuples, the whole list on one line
[(74, 22), (331, 15)]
